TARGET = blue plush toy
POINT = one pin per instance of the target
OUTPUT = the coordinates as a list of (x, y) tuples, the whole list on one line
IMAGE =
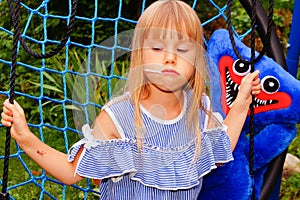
[(277, 111)]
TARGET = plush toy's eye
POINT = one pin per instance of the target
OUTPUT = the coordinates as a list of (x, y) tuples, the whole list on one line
[(270, 84), (240, 68)]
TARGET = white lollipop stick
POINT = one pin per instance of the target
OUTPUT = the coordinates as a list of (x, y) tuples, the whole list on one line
[(153, 71)]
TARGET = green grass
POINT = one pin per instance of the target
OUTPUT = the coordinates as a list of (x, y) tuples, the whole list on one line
[(290, 185), (32, 173)]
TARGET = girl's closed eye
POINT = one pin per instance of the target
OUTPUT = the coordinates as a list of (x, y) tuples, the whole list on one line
[(157, 47), (182, 49)]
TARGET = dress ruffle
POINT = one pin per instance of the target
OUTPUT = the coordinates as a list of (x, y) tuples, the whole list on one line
[(162, 168)]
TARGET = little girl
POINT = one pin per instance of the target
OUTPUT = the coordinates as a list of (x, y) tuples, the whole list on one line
[(160, 138)]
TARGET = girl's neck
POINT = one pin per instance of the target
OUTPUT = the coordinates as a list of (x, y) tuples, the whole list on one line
[(164, 105)]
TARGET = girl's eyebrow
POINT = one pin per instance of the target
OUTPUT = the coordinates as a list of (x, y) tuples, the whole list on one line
[(154, 40), (184, 41)]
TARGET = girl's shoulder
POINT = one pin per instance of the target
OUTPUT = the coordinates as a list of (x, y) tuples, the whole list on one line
[(119, 100)]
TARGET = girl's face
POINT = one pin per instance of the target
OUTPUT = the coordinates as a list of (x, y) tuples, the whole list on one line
[(169, 62)]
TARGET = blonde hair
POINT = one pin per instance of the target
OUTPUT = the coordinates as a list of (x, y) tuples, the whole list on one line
[(181, 18)]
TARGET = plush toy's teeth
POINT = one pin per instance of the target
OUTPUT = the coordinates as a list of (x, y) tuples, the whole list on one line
[(236, 87), (259, 102), (232, 89), (229, 99)]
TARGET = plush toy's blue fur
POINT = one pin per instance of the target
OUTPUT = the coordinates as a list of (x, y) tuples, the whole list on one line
[(274, 129)]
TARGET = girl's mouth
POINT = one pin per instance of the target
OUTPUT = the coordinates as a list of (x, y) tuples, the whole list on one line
[(170, 72)]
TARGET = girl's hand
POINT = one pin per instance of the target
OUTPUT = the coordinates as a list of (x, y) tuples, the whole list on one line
[(250, 85), (13, 116), (236, 116)]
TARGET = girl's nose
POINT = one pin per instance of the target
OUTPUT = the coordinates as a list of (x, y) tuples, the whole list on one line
[(170, 58)]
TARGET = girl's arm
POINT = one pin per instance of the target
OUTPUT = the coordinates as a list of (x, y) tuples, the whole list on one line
[(236, 117), (51, 160)]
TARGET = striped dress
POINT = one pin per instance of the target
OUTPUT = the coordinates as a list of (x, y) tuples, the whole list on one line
[(166, 166)]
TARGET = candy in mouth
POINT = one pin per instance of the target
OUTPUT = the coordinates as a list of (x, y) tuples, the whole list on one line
[(153, 71)]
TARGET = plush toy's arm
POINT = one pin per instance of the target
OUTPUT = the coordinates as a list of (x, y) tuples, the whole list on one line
[(272, 141)]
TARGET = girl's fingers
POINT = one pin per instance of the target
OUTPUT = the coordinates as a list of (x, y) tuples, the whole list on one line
[(251, 77), (255, 73), (10, 111), (6, 120), (6, 111), (255, 92), (15, 109), (5, 123), (7, 107), (6, 117), (256, 87), (18, 107)]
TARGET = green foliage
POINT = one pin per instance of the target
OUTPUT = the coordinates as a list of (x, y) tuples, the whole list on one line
[(294, 148), (290, 188), (240, 19), (75, 85)]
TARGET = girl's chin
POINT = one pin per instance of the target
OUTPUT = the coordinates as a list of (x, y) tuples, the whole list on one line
[(168, 88)]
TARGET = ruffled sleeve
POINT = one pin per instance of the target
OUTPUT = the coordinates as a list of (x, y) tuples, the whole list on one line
[(162, 168), (220, 144), (102, 158)]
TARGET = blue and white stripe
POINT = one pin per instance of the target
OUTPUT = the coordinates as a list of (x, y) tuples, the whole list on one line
[(165, 169)]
